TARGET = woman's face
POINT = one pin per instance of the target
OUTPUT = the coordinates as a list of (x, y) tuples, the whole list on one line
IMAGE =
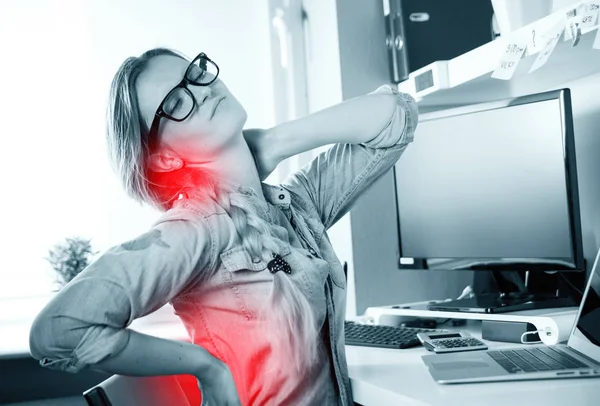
[(217, 119)]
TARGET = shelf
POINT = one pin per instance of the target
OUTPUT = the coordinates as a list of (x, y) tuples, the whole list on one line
[(555, 323), (419, 309), (469, 78)]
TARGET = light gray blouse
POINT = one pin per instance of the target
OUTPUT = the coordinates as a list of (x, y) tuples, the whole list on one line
[(193, 259)]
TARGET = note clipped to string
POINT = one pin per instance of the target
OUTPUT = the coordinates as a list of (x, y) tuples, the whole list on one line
[(574, 32), (536, 36), (573, 18), (589, 18), (551, 39), (510, 59)]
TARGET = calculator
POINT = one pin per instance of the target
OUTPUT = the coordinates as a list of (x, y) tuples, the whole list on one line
[(442, 342)]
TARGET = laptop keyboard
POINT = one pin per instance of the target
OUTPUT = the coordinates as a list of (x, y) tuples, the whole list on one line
[(535, 359)]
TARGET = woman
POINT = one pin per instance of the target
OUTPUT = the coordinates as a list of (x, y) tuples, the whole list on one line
[(247, 266)]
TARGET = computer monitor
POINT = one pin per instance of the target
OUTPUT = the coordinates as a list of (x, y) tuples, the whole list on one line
[(492, 186)]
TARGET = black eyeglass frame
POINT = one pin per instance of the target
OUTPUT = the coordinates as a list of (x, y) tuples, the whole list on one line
[(161, 113)]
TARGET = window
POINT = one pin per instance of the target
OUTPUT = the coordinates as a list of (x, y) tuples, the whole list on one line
[(56, 179)]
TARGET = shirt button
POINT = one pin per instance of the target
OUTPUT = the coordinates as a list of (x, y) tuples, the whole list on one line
[(281, 196), (313, 252)]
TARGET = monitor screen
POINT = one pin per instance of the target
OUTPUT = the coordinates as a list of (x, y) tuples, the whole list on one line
[(491, 184)]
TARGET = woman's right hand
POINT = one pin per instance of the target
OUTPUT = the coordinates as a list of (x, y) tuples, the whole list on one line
[(217, 386)]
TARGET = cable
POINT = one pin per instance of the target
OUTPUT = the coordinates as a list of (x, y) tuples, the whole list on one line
[(441, 321), (523, 341), (562, 275)]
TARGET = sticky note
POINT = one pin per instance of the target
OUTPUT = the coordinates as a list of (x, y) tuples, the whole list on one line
[(573, 18), (536, 37), (510, 59), (589, 18), (534, 41), (552, 38), (574, 31)]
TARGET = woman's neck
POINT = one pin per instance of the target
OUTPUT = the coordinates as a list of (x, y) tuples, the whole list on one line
[(237, 167)]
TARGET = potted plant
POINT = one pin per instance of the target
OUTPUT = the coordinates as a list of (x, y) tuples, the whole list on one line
[(69, 258)]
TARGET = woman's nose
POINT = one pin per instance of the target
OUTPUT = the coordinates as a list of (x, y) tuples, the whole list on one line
[(203, 93)]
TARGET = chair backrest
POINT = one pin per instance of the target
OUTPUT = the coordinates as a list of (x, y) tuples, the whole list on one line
[(119, 390)]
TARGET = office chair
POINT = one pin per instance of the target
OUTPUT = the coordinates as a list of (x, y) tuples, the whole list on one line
[(120, 390)]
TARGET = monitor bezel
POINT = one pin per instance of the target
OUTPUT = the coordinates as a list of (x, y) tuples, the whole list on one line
[(577, 263)]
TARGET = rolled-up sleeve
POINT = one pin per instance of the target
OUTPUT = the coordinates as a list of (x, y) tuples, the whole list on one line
[(336, 178), (402, 124), (86, 322)]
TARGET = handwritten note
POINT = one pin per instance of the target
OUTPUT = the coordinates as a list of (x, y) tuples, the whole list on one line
[(510, 60), (590, 17), (536, 39), (574, 32), (539, 29), (552, 38), (573, 18)]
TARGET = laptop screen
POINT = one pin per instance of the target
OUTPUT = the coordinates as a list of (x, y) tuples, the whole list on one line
[(589, 319), (585, 337)]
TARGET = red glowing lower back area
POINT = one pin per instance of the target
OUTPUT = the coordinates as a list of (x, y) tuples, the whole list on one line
[(189, 385), (261, 376)]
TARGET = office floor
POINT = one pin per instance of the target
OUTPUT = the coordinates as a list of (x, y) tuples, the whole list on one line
[(70, 401)]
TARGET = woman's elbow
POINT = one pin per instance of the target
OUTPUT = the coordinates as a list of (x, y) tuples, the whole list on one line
[(52, 336), (40, 337)]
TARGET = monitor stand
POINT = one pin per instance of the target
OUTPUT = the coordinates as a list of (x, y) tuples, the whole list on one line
[(487, 303), (509, 291)]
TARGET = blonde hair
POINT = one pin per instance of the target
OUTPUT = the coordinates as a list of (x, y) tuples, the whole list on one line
[(129, 149)]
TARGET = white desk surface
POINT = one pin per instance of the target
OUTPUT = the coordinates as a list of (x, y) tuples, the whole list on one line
[(387, 377)]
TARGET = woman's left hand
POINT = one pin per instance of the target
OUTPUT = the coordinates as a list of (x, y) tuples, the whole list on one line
[(262, 150)]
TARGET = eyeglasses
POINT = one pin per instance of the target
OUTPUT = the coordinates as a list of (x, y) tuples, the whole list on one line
[(180, 102)]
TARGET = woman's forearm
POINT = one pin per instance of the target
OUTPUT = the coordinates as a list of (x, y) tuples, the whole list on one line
[(354, 121), (146, 355)]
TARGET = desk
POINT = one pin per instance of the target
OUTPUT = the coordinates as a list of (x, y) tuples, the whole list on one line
[(385, 377), (382, 377)]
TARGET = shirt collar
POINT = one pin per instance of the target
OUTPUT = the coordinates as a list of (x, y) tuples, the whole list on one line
[(276, 196)]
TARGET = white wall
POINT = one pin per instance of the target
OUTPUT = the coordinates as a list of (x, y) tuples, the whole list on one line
[(324, 89), (373, 219), (58, 58)]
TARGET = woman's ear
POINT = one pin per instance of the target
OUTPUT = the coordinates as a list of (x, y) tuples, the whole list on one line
[(164, 162)]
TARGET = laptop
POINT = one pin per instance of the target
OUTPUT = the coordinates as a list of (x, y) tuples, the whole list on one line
[(578, 358)]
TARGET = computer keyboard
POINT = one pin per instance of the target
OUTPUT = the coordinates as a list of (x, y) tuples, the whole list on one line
[(534, 359), (369, 335)]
